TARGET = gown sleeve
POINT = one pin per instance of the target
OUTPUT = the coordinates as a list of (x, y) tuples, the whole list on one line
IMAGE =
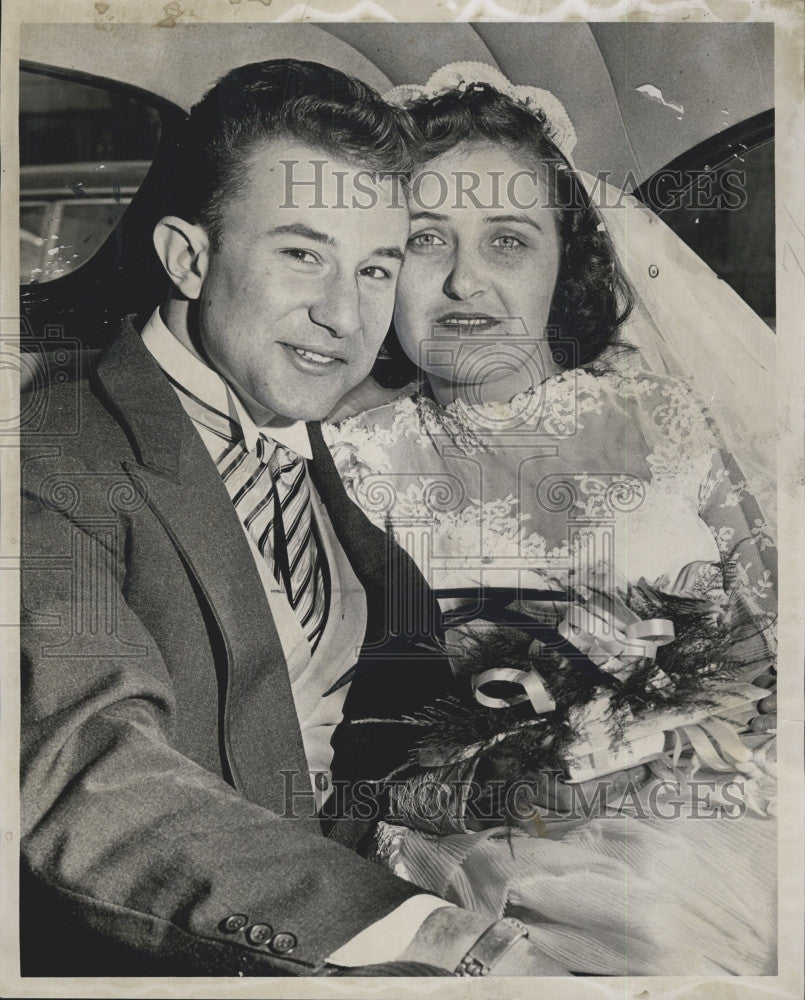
[(749, 555), (689, 449), (686, 451)]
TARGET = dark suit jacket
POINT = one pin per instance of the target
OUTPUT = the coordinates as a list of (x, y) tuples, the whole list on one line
[(165, 797)]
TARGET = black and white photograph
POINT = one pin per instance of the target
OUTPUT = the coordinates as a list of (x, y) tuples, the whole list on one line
[(401, 527)]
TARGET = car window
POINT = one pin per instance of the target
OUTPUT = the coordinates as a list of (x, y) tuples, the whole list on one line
[(84, 151), (719, 198)]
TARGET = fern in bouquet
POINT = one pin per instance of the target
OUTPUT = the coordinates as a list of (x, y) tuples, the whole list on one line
[(575, 685)]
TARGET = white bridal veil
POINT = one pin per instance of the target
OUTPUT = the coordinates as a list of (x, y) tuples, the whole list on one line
[(691, 324)]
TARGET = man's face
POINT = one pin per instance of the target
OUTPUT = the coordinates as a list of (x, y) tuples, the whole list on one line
[(297, 298)]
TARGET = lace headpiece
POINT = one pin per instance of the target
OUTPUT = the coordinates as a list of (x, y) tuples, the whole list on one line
[(464, 76)]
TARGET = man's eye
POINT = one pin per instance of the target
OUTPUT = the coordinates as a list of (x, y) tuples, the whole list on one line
[(508, 242), (376, 273), (303, 256), (424, 240)]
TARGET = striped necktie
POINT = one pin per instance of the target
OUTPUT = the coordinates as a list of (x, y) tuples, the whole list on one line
[(270, 490)]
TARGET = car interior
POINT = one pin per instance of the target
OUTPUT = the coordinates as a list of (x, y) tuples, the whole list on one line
[(96, 134)]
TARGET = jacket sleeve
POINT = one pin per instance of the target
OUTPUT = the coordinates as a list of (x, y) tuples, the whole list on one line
[(154, 863)]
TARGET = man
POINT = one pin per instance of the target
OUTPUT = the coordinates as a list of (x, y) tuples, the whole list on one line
[(179, 674)]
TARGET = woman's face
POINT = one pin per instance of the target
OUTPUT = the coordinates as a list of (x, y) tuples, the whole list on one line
[(479, 274)]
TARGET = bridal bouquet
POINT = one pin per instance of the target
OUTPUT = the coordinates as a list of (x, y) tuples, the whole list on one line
[(591, 684)]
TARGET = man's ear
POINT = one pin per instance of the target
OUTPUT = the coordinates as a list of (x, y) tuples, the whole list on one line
[(183, 249)]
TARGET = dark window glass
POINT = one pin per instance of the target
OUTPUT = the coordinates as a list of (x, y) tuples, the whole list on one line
[(84, 152), (724, 210), (62, 121)]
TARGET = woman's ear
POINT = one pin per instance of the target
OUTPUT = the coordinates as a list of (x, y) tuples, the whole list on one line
[(183, 249)]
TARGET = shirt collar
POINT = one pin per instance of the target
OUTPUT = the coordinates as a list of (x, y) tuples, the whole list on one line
[(200, 380)]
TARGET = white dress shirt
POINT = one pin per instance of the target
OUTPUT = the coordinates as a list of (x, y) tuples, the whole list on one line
[(311, 673)]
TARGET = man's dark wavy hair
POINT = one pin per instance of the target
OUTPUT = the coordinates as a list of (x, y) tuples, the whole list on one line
[(592, 297), (281, 98)]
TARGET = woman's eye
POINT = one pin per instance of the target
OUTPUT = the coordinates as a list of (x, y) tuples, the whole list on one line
[(303, 256), (425, 240), (508, 242), (376, 273)]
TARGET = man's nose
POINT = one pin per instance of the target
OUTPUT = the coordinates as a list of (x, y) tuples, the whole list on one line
[(466, 277), (337, 307)]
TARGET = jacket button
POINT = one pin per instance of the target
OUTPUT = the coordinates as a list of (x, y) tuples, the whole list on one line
[(234, 923), (282, 943), (259, 933)]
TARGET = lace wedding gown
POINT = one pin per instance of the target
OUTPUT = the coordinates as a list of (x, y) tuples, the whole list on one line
[(597, 477)]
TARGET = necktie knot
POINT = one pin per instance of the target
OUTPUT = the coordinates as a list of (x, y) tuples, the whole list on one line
[(283, 463), (262, 449), (285, 457)]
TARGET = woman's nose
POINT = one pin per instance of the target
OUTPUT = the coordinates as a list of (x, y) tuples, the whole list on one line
[(337, 307), (466, 277)]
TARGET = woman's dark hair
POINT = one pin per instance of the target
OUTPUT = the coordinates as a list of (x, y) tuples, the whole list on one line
[(592, 297), (281, 98)]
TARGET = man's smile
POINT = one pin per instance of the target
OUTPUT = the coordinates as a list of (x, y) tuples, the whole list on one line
[(315, 361)]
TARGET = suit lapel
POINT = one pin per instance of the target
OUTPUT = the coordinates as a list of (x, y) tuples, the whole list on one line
[(362, 541), (185, 491)]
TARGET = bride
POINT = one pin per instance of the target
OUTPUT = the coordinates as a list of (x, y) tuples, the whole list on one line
[(537, 451)]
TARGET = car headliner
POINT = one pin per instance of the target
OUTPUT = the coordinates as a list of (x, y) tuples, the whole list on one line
[(718, 74)]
